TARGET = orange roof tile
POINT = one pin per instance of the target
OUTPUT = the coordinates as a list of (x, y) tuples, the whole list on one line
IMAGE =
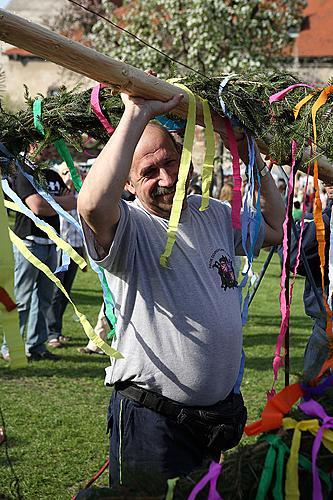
[(316, 40), (16, 51)]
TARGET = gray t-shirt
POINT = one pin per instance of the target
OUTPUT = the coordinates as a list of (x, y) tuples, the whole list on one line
[(179, 328)]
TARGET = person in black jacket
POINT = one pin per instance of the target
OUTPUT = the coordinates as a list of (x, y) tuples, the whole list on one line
[(317, 348)]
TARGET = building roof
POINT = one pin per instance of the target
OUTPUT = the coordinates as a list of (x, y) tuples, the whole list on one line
[(316, 38), (15, 51)]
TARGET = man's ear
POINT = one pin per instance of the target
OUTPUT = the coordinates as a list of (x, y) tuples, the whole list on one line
[(129, 187)]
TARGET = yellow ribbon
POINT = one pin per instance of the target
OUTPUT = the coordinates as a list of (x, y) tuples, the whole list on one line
[(292, 489), (317, 212), (9, 319), (113, 353), (301, 103), (185, 162), (66, 247), (208, 165)]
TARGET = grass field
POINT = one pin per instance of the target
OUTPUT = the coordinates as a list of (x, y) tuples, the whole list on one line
[(55, 412)]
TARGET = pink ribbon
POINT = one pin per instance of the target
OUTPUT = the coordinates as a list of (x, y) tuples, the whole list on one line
[(212, 477), (280, 95), (95, 106), (284, 308), (314, 409), (237, 189)]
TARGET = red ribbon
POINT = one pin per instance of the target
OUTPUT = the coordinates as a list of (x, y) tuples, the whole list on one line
[(6, 300)]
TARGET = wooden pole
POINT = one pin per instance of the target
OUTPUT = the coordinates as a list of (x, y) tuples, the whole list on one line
[(85, 61), (76, 57)]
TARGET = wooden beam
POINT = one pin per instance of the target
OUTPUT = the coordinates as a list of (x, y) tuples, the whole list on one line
[(85, 61), (76, 57)]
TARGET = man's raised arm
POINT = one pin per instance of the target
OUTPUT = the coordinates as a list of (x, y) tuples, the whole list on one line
[(98, 201)]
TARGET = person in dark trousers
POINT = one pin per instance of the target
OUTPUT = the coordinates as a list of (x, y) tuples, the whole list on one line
[(59, 301), (317, 348), (33, 289), (175, 400)]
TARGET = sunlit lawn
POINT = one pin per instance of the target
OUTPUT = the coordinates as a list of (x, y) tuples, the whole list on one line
[(55, 412)]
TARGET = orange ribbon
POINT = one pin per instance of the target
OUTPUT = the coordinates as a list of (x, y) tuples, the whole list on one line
[(275, 409)]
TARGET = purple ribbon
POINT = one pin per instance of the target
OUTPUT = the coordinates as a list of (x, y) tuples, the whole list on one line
[(314, 409), (212, 477), (317, 390)]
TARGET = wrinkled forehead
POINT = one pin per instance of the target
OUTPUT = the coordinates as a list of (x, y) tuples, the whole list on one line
[(154, 137)]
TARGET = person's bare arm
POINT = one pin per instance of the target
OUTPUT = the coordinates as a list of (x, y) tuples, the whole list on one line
[(42, 208), (98, 201)]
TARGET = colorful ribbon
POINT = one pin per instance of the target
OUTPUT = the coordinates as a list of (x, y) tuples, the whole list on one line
[(314, 409), (184, 168), (292, 484), (83, 320), (274, 461), (284, 307), (208, 164), (275, 409), (171, 488), (281, 95), (237, 187), (95, 106), (317, 390), (211, 477), (59, 144), (9, 313), (66, 247), (317, 213)]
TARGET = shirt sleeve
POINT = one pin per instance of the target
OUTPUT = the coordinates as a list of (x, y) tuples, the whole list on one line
[(122, 247), (23, 187)]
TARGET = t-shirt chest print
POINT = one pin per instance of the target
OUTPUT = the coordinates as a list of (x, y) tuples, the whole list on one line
[(221, 262)]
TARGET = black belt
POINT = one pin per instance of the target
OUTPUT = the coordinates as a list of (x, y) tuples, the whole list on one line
[(159, 403)]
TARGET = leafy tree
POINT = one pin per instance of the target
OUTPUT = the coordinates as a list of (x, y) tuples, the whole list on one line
[(210, 36)]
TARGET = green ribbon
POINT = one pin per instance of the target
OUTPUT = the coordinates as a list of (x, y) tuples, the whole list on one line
[(171, 488), (275, 461), (67, 157)]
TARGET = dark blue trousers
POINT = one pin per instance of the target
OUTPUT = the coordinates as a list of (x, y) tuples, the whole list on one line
[(147, 448)]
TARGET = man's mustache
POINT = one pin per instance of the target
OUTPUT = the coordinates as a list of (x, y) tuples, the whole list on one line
[(160, 191)]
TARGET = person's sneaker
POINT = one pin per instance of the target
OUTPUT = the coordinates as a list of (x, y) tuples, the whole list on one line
[(41, 356), (6, 356), (54, 343), (86, 350), (63, 339)]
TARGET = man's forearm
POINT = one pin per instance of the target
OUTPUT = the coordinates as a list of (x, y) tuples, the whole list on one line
[(102, 189), (272, 205)]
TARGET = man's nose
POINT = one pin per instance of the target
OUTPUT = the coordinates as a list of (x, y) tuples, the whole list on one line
[(167, 178)]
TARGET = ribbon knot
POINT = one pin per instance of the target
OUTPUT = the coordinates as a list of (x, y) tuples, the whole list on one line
[(211, 477), (314, 409)]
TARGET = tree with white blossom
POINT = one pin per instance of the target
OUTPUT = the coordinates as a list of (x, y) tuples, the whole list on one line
[(210, 36)]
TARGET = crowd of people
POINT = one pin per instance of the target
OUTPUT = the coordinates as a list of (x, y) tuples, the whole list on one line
[(176, 399)]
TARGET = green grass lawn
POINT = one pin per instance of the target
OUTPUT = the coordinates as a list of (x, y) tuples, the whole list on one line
[(55, 412)]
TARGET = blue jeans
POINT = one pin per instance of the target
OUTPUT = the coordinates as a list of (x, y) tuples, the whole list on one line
[(316, 351), (33, 293), (59, 300), (148, 448)]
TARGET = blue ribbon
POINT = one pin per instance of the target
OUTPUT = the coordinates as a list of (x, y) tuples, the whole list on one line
[(69, 218), (28, 213), (171, 125)]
